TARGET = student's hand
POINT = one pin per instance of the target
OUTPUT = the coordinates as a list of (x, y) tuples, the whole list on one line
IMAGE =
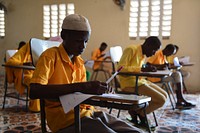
[(102, 55), (162, 67), (149, 68), (95, 87)]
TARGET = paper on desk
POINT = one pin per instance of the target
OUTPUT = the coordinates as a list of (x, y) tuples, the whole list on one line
[(110, 95), (69, 101), (184, 59), (176, 62)]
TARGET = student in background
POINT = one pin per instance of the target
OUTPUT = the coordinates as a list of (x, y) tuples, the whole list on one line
[(185, 74), (99, 55), (133, 58), (22, 57), (59, 71), (159, 61)]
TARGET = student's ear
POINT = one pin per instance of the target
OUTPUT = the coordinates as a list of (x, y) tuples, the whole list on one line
[(62, 35)]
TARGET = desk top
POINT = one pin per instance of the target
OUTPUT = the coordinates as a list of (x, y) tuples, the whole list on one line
[(69, 101), (20, 66), (159, 73), (188, 64), (130, 99)]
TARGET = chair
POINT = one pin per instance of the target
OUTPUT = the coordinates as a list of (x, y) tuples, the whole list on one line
[(168, 88), (101, 69), (14, 94), (37, 46), (116, 53)]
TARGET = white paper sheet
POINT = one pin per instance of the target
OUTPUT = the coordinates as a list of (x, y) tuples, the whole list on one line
[(176, 62), (69, 101)]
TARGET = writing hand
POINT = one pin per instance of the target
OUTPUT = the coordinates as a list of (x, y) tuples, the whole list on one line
[(149, 68), (95, 87)]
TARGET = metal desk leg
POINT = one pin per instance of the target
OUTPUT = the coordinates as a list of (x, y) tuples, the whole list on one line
[(77, 119), (146, 119)]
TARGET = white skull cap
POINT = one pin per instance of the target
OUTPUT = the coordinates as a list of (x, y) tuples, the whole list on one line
[(76, 22)]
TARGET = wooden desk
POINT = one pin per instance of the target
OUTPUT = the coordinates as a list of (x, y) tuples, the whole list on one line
[(25, 67), (157, 74), (16, 95), (124, 102)]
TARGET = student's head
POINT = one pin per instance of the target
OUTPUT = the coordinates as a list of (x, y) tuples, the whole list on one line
[(151, 45), (103, 46), (170, 49), (21, 44), (75, 34)]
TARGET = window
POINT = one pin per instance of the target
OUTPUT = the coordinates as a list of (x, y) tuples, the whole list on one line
[(150, 18), (53, 16), (2, 23)]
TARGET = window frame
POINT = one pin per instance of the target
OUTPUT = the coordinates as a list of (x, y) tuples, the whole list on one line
[(2, 23)]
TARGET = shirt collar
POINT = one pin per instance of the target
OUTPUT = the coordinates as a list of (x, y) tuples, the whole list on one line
[(78, 60)]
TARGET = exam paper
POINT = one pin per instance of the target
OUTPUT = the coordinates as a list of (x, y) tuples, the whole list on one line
[(70, 101)]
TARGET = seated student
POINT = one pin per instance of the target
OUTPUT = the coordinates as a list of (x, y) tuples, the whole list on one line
[(170, 60), (59, 71), (132, 60), (159, 61), (99, 55), (22, 57)]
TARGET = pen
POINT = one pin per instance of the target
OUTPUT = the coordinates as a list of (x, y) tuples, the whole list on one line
[(111, 78)]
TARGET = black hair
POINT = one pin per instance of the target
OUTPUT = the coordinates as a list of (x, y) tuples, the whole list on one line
[(170, 49), (153, 40), (104, 44), (22, 43)]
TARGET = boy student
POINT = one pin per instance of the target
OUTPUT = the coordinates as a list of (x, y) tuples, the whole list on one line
[(132, 60), (159, 60), (22, 57), (59, 71)]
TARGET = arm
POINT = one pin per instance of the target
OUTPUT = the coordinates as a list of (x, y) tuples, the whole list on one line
[(157, 66), (96, 56), (54, 91)]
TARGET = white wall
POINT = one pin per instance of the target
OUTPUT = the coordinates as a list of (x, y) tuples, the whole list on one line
[(109, 24)]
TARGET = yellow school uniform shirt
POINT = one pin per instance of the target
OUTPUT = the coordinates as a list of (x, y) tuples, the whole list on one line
[(55, 67), (132, 61), (96, 53), (15, 75), (158, 58), (170, 59)]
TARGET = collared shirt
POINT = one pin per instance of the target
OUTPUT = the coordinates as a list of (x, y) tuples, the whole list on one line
[(15, 75), (132, 61), (55, 67), (170, 59), (158, 58), (95, 54)]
